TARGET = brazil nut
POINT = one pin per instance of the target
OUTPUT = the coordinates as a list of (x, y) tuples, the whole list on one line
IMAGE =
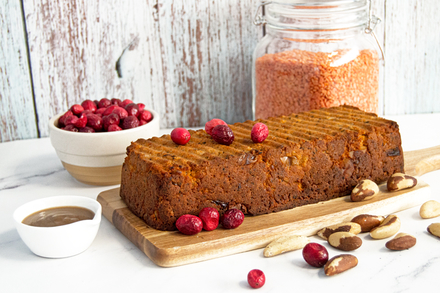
[(345, 241), (388, 228), (430, 209), (367, 222), (340, 264), (285, 244), (434, 229), (364, 190), (351, 227), (401, 241), (399, 181)]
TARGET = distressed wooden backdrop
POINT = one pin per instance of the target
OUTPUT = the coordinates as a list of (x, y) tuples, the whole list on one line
[(191, 60)]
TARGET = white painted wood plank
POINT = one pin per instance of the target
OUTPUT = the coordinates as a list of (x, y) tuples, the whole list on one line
[(17, 115), (412, 48)]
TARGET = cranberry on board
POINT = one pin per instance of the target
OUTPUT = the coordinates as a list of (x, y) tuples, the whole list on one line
[(256, 278), (210, 218), (315, 254), (130, 122), (232, 218), (180, 136), (213, 123), (89, 105), (259, 132), (189, 224)]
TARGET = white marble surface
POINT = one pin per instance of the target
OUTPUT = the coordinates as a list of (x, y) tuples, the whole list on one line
[(30, 169)]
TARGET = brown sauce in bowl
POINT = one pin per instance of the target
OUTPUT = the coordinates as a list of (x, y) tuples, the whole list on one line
[(58, 216)]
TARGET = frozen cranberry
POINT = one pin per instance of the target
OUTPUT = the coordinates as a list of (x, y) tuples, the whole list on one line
[(116, 102), (256, 278), (94, 121), (100, 111), (213, 123), (129, 122), (189, 224), (141, 106), (222, 134), (180, 136), (81, 122), (110, 120), (122, 113), (114, 127), (76, 109), (87, 112), (146, 115), (232, 218), (132, 109), (142, 122), (89, 105), (315, 254), (109, 110), (71, 127), (259, 132), (62, 119), (86, 129), (125, 103), (210, 218), (104, 103), (70, 120)]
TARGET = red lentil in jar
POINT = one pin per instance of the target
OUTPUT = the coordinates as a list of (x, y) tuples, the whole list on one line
[(305, 63)]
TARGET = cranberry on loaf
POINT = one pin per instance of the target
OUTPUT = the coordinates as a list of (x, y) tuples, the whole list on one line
[(307, 158)]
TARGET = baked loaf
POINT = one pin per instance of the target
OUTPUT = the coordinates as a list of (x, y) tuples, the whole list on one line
[(307, 158)]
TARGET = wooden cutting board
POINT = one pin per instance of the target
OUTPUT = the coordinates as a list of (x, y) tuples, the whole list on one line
[(169, 249)]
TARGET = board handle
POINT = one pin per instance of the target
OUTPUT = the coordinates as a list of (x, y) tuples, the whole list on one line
[(422, 161)]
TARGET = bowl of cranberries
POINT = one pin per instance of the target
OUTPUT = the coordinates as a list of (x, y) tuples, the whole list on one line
[(91, 138)]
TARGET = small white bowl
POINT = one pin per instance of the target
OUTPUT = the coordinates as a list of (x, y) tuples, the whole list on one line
[(96, 158), (59, 241)]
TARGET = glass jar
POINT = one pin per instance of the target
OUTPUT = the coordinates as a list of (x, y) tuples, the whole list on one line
[(315, 54)]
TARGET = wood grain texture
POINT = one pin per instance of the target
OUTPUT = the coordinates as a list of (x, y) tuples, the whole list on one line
[(17, 115)]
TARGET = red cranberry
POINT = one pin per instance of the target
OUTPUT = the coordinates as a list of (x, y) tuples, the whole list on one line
[(141, 106), (86, 129), (89, 105), (232, 218), (146, 115), (180, 136), (132, 109), (256, 278), (76, 109), (129, 122), (213, 123), (110, 120), (116, 102), (94, 121), (142, 122), (222, 134), (87, 112), (315, 254), (125, 103), (122, 113), (210, 218), (104, 103), (62, 119), (71, 127), (259, 132), (189, 224), (100, 111), (70, 120), (109, 110), (81, 122), (114, 127)]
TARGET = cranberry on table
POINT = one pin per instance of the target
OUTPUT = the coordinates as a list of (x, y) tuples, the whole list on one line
[(210, 218), (222, 134), (180, 136), (256, 278), (315, 254), (189, 224), (259, 132), (130, 122), (232, 218), (213, 123), (89, 105)]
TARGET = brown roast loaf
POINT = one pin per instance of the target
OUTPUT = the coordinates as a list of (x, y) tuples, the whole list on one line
[(307, 158)]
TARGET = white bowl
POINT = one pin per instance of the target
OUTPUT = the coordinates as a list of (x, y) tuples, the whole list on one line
[(59, 241), (96, 158)]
